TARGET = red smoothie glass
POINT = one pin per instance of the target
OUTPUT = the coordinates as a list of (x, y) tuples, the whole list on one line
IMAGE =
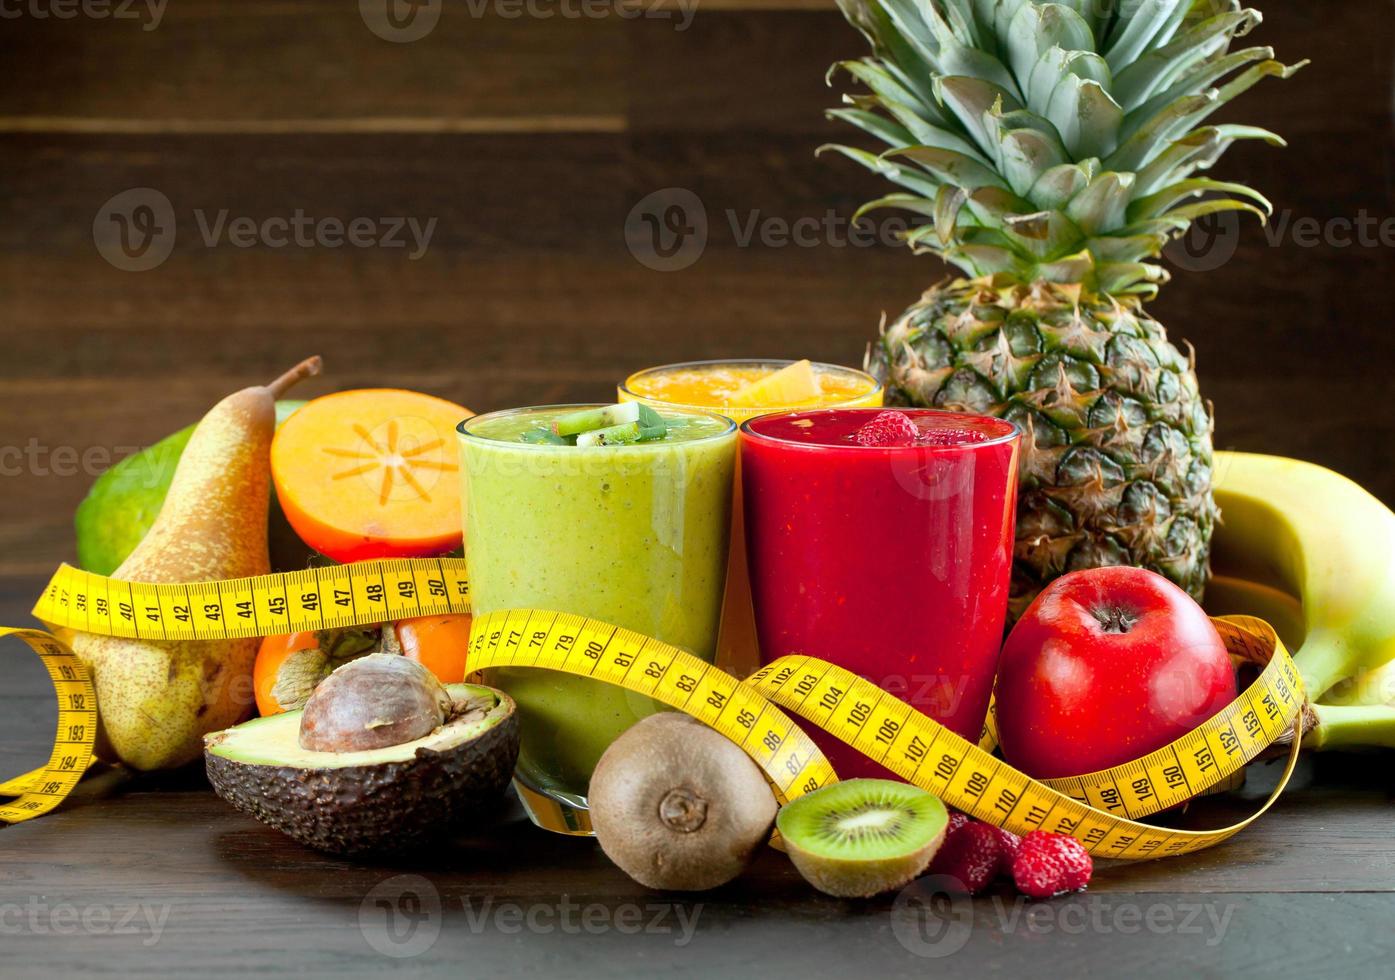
[(892, 560)]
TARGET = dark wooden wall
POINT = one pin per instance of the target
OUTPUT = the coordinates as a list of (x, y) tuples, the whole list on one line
[(530, 140)]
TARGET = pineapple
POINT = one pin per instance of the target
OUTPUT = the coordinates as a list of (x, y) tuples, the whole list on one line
[(1050, 151)]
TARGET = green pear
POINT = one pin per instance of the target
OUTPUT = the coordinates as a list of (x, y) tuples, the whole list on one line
[(125, 500), (156, 700)]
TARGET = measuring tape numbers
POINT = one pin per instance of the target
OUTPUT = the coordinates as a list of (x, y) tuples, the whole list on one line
[(44, 788), (1101, 809), (265, 605)]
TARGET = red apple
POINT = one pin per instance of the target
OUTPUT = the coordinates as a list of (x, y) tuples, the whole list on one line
[(1105, 666)]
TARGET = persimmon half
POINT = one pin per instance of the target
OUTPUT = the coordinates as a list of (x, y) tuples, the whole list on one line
[(371, 473)]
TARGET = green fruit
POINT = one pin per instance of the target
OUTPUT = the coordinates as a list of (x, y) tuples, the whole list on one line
[(382, 799), (125, 500), (590, 419), (862, 837), (610, 435), (678, 806), (157, 698)]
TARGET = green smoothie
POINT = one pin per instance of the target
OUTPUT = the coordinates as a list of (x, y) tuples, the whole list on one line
[(632, 534)]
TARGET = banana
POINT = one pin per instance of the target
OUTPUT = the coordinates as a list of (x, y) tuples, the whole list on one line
[(1304, 530), (1228, 596)]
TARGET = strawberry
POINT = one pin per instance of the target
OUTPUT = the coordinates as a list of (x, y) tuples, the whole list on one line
[(1008, 845), (1050, 864), (888, 429), (970, 855)]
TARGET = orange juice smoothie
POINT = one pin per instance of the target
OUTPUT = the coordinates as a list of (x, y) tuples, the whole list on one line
[(717, 386)]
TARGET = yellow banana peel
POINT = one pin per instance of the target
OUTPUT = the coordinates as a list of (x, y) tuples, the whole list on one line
[(1292, 529)]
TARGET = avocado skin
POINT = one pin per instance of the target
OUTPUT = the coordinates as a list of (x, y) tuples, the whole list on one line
[(389, 806)]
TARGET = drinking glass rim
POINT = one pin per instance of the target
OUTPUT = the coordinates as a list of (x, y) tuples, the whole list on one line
[(1014, 431), (625, 389), (463, 427)]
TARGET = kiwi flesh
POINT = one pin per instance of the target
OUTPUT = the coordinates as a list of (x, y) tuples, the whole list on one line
[(862, 837), (679, 806)]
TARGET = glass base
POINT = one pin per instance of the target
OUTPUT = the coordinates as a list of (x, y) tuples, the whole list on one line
[(561, 813)]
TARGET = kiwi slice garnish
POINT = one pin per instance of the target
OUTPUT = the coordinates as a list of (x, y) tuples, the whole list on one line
[(610, 435), (589, 419), (609, 425), (862, 837)]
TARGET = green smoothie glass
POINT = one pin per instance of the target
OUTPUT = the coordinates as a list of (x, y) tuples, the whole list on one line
[(635, 535)]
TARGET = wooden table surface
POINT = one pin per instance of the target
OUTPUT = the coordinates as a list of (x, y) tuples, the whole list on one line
[(529, 141), (156, 876)]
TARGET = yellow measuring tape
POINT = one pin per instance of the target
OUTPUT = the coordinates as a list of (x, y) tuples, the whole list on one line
[(43, 789), (1102, 809), (266, 605)]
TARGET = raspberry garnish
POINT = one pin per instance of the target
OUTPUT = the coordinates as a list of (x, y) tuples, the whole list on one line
[(943, 436), (1051, 864), (888, 429)]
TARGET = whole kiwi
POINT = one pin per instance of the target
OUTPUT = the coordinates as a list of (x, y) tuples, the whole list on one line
[(678, 806)]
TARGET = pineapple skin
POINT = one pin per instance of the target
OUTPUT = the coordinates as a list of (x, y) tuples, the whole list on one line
[(1116, 440)]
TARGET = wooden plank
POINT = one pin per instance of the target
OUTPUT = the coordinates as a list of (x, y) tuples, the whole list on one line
[(230, 62), (545, 65), (210, 890)]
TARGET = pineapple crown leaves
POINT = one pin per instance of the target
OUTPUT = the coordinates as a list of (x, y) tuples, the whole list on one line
[(1054, 141)]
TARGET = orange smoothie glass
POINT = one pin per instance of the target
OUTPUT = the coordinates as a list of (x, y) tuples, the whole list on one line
[(710, 385)]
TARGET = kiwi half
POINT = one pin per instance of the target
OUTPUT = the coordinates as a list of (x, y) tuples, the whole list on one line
[(862, 837)]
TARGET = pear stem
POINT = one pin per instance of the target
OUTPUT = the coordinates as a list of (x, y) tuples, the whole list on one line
[(305, 369)]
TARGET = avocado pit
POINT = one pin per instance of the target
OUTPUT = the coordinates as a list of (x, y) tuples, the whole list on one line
[(371, 703), (370, 793)]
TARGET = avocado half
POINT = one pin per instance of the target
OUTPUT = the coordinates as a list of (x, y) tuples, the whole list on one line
[(378, 800)]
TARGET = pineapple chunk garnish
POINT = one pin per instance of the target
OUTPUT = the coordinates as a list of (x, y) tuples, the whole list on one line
[(796, 384)]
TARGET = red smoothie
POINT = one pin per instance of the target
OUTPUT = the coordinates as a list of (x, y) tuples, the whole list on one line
[(888, 553)]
